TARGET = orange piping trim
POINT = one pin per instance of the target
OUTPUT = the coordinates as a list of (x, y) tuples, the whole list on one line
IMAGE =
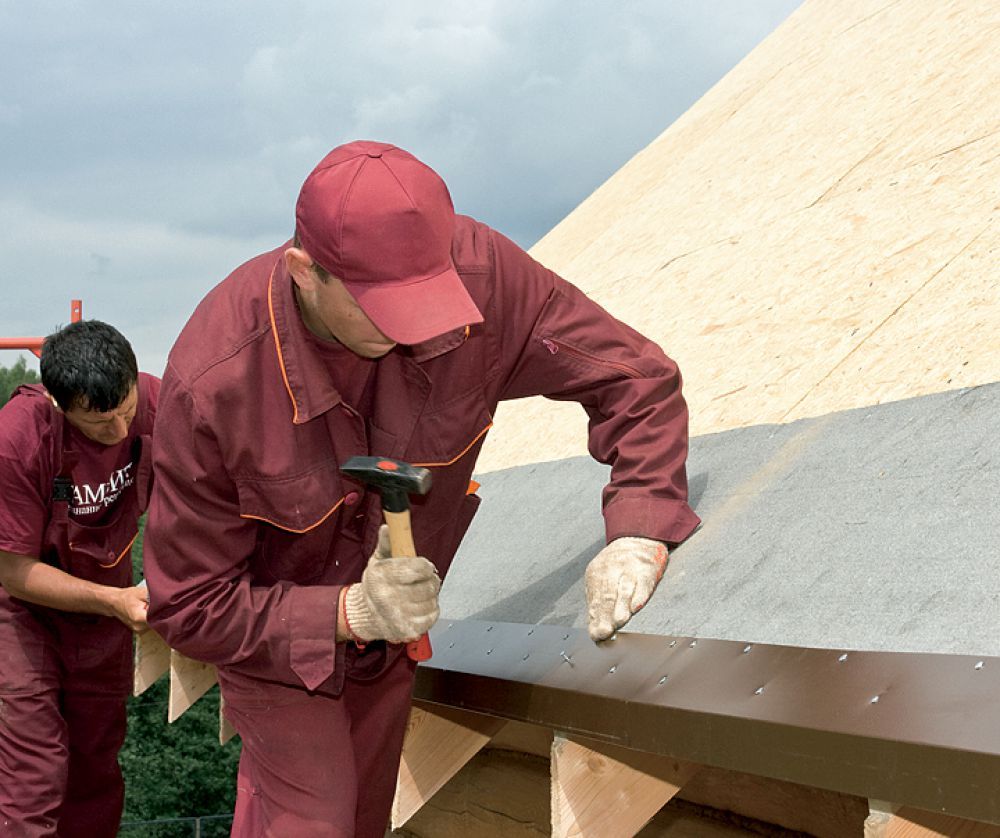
[(457, 457), (473, 487), (122, 555), (277, 345), (289, 529)]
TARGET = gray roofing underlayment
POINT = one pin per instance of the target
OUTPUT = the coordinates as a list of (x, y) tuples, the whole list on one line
[(868, 529)]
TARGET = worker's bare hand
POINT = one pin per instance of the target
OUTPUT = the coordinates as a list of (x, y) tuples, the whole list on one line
[(130, 606), (620, 580), (397, 598)]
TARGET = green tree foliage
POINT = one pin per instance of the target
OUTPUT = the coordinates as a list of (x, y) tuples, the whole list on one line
[(11, 377), (176, 770)]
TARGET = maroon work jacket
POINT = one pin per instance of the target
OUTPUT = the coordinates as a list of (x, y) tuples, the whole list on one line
[(252, 529)]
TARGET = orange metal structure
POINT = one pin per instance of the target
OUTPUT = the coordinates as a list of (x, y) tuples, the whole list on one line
[(35, 344)]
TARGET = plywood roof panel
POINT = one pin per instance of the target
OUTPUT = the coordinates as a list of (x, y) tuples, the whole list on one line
[(817, 233)]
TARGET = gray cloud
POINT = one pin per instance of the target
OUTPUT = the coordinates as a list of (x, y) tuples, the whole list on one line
[(147, 149)]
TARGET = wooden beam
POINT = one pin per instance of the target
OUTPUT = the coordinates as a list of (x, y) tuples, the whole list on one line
[(151, 660), (189, 681), (226, 729), (606, 790), (906, 822), (439, 741)]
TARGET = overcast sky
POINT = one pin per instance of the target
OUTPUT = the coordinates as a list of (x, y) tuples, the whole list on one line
[(146, 149)]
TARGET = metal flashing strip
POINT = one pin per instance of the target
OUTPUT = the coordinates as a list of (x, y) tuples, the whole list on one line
[(913, 728)]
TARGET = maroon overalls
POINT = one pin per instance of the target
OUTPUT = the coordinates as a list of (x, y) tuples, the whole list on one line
[(64, 678), (253, 530)]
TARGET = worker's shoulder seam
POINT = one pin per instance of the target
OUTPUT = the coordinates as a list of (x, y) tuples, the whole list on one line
[(227, 353), (474, 251)]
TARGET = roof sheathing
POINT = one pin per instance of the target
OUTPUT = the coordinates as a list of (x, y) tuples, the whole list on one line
[(819, 232)]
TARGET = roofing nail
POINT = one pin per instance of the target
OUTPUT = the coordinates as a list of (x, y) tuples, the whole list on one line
[(613, 670), (566, 658), (875, 700), (526, 657), (758, 691), (662, 681), (489, 628), (673, 643), (693, 644), (842, 658), (747, 648), (489, 651), (980, 665)]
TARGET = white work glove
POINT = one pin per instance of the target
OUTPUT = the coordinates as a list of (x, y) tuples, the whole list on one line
[(620, 579), (396, 599)]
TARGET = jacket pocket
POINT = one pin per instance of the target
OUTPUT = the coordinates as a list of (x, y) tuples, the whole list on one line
[(447, 442), (451, 434), (298, 514)]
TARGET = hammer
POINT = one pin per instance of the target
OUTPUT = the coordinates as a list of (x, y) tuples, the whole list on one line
[(396, 481)]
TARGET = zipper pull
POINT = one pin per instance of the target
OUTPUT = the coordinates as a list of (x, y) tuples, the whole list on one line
[(552, 347)]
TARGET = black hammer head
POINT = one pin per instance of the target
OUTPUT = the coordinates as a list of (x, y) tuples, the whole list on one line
[(395, 479)]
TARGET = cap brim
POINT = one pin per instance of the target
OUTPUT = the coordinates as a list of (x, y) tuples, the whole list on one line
[(417, 311)]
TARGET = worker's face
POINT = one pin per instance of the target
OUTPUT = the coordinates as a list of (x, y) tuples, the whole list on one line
[(106, 427), (330, 312)]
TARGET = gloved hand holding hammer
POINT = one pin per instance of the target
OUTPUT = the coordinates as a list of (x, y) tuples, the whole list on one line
[(396, 599)]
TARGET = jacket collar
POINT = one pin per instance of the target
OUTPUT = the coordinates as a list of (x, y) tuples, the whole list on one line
[(304, 374), (434, 347), (306, 379)]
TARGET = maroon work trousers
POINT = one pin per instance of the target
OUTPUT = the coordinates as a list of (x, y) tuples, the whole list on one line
[(64, 680), (314, 765)]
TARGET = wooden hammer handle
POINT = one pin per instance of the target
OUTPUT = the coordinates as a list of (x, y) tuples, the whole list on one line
[(401, 544)]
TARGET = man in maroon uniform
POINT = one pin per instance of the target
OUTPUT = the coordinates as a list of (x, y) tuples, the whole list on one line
[(388, 326), (74, 479)]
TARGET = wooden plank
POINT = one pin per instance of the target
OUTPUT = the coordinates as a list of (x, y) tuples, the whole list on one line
[(439, 741), (498, 794), (189, 681), (794, 807), (908, 822), (151, 660), (226, 729), (600, 789)]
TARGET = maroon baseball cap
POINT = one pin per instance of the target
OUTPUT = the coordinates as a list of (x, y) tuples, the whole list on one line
[(382, 222)]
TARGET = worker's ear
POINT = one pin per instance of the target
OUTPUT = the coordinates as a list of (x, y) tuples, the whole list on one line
[(300, 267)]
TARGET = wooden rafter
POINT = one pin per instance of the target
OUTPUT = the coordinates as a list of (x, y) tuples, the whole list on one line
[(600, 789), (151, 661), (439, 741), (189, 681)]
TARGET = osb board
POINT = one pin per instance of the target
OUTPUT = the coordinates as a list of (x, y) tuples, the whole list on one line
[(817, 812), (500, 793), (824, 814), (819, 232)]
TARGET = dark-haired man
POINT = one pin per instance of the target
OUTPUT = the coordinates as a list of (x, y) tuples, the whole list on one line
[(74, 479), (388, 326)]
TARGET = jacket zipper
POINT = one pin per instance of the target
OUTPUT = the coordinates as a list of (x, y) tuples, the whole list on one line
[(556, 346)]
